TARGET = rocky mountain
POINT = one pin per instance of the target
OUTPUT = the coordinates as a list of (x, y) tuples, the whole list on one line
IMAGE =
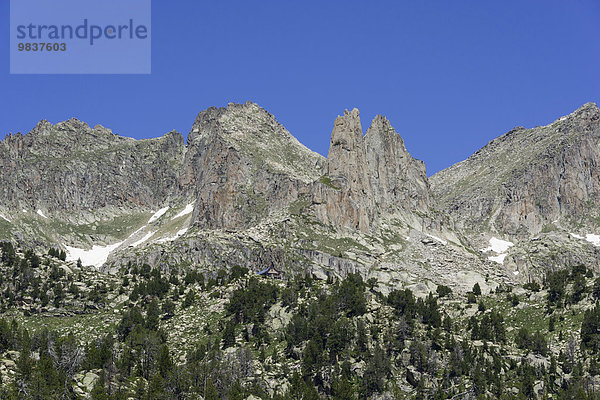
[(244, 191), (72, 168), (528, 179), (352, 212), (371, 175), (538, 189), (72, 185), (128, 268), (242, 165)]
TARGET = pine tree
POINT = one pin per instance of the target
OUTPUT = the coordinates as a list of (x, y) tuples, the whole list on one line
[(211, 392), (165, 363), (168, 309), (189, 299), (229, 335), (152, 315), (99, 391)]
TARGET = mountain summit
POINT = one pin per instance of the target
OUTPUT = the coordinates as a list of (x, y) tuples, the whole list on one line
[(244, 191), (528, 179)]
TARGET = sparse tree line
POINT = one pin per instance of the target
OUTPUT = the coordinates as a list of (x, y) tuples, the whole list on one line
[(343, 340)]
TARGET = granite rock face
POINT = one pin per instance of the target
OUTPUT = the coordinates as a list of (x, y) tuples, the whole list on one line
[(397, 180), (242, 165), (70, 168), (345, 201), (346, 160), (371, 175), (528, 179), (244, 191)]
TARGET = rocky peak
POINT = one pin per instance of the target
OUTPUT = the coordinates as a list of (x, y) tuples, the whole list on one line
[(205, 124), (71, 167), (346, 160), (255, 133), (72, 125), (589, 112), (243, 165), (347, 133), (372, 175), (381, 134), (41, 127), (397, 180), (528, 179), (64, 139)]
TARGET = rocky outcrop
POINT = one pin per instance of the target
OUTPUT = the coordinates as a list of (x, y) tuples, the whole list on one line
[(242, 165), (343, 197), (552, 251), (211, 252), (528, 179), (69, 168), (346, 160), (397, 180), (369, 176)]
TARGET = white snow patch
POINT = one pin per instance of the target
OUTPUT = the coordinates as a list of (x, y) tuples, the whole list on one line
[(133, 234), (24, 210), (4, 218), (158, 214), (498, 246), (499, 258), (41, 214), (179, 233), (187, 210), (96, 256), (593, 239), (442, 241), (142, 240), (408, 238), (516, 273), (590, 237)]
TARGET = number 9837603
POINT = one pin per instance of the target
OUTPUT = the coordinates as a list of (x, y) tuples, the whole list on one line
[(37, 46)]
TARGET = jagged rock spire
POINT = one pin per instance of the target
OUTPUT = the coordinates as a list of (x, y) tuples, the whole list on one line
[(346, 159), (397, 180), (372, 174)]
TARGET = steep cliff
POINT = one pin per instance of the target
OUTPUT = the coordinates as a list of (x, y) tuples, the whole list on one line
[(528, 179), (242, 165), (70, 185), (397, 180), (371, 176), (69, 168)]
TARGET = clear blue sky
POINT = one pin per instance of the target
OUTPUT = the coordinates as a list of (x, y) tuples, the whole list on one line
[(450, 75)]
